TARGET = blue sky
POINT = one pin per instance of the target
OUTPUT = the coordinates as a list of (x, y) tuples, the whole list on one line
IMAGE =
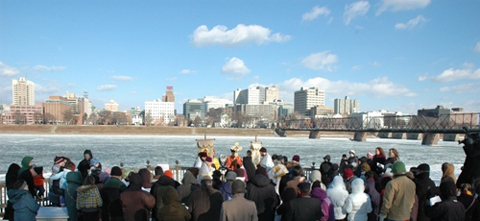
[(398, 55)]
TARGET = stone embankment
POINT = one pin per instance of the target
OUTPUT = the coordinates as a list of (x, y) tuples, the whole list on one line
[(154, 130)]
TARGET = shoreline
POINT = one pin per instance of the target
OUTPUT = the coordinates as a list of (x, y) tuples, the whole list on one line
[(157, 131)]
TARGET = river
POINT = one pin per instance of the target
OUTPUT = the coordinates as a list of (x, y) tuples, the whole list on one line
[(134, 151)]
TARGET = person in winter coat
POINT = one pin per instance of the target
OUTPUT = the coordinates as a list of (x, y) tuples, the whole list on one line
[(112, 207), (89, 200), (159, 190), (449, 209), (249, 165), (393, 157), (399, 195), (84, 165), (238, 208), (378, 162), (205, 203), (425, 189), (233, 161), (172, 209), (189, 184), (288, 194), (468, 200), (277, 172), (352, 160), (327, 205), (136, 203), (374, 196), (26, 164), (326, 170), (304, 207), (27, 173), (147, 179), (447, 171), (358, 203), (73, 181), (262, 191), (10, 179), (338, 194), (24, 206), (316, 176), (226, 188)]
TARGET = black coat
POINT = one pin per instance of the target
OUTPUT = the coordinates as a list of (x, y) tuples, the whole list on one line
[(249, 167), (28, 177), (447, 210), (262, 191), (109, 196), (471, 166), (425, 189), (304, 209)]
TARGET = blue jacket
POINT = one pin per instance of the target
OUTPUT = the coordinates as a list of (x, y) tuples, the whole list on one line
[(23, 203)]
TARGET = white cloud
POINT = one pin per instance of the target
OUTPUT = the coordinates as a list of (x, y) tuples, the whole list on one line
[(187, 71), (122, 78), (7, 71), (419, 20), (355, 9), (240, 35), (400, 5), (423, 77), (463, 88), (107, 87), (236, 67), (43, 68), (477, 48), (171, 79), (378, 88), (48, 90), (320, 61), (314, 13), (376, 64), (356, 67), (256, 78), (457, 74)]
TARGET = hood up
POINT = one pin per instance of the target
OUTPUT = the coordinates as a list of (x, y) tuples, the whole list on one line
[(318, 193), (358, 186), (315, 175), (188, 178), (86, 188), (338, 183), (16, 195), (260, 180)]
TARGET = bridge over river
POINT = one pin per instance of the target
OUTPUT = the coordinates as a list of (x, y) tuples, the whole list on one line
[(427, 128)]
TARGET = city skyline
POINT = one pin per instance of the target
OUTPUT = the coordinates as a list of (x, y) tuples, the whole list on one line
[(393, 55)]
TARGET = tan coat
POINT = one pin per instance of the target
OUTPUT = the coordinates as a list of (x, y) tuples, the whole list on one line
[(398, 199), (239, 208)]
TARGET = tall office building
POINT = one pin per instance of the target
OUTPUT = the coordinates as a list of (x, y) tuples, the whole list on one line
[(305, 99), (23, 92), (111, 106), (194, 108), (255, 95), (346, 106), (169, 96), (160, 111)]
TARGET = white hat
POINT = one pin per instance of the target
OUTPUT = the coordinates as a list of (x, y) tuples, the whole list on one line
[(352, 151)]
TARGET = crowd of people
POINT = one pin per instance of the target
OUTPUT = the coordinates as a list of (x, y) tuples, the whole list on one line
[(373, 187)]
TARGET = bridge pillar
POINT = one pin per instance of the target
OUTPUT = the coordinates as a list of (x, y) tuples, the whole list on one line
[(450, 137), (314, 134), (430, 139), (384, 135), (399, 135), (360, 136), (414, 136)]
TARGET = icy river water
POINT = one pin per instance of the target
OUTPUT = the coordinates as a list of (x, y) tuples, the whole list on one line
[(134, 151)]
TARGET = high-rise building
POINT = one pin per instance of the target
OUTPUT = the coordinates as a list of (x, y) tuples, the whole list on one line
[(169, 96), (255, 95), (111, 106), (194, 108), (160, 112), (305, 99), (346, 106), (23, 92)]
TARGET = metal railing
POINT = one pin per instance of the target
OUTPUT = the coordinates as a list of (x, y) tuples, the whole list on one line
[(447, 123)]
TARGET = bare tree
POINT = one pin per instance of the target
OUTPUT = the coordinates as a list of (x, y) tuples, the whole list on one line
[(19, 118), (84, 118), (68, 117), (93, 118), (105, 117), (49, 118), (148, 119), (38, 118)]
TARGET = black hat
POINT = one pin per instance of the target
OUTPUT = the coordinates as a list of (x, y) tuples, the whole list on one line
[(116, 171), (238, 186), (327, 157), (424, 167)]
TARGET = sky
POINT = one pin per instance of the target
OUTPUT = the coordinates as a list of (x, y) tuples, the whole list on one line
[(395, 55)]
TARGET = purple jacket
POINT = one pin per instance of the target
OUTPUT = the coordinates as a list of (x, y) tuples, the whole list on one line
[(327, 205)]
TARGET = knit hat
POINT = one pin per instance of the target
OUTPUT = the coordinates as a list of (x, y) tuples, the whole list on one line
[(116, 171), (352, 151), (103, 177), (94, 161), (424, 167), (231, 175), (347, 173), (238, 186), (327, 157), (263, 149), (58, 159), (365, 167), (168, 173), (398, 168), (296, 158), (240, 173), (209, 159)]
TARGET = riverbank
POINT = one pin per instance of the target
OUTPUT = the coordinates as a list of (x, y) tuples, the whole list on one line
[(161, 131)]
